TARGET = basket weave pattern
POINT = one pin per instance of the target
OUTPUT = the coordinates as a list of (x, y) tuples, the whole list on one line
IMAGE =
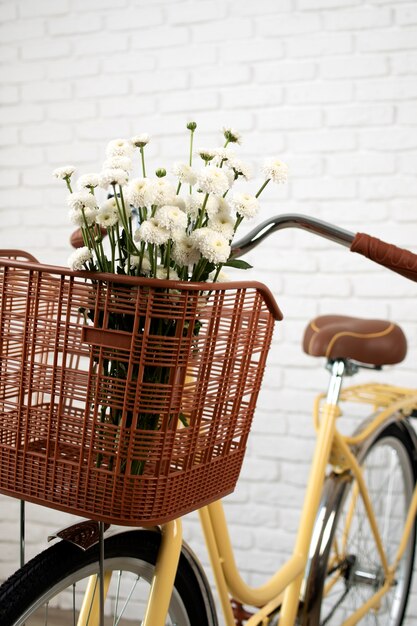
[(58, 447)]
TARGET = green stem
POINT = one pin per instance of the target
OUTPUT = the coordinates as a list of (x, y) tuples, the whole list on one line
[(113, 249), (191, 147), (91, 243), (152, 259), (120, 208), (262, 188), (191, 153), (141, 254), (202, 212), (102, 254), (238, 222), (199, 269), (142, 156), (218, 270), (67, 180), (168, 256), (118, 241), (126, 222)]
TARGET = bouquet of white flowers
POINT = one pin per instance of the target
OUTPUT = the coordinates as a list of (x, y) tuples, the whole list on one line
[(155, 230), (163, 230)]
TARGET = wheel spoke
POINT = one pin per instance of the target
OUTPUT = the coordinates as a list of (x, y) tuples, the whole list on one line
[(73, 605), (119, 579), (354, 568), (127, 600)]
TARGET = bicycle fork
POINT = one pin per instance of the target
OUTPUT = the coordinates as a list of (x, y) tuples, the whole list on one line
[(161, 588)]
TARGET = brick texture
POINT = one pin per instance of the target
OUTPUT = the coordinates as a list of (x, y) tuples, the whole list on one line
[(327, 85)]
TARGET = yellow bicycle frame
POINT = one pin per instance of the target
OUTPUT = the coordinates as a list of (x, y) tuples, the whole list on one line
[(283, 588)]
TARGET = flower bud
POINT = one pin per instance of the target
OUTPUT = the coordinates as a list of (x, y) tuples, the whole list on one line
[(206, 155), (231, 135), (192, 126), (161, 172)]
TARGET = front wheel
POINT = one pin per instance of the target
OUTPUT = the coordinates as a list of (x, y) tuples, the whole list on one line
[(50, 588), (345, 569)]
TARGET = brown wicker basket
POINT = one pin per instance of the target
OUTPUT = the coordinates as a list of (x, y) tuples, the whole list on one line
[(126, 400)]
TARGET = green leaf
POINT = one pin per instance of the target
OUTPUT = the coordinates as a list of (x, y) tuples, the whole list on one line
[(239, 264)]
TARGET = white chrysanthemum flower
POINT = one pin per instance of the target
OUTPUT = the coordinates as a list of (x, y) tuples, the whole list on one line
[(223, 223), (222, 277), (139, 192), (118, 163), (171, 218), (81, 200), (108, 215), (151, 231), (110, 204), (81, 217), (133, 263), (240, 168), (275, 170), (193, 203), (142, 261), (115, 176), (213, 246), (162, 273), (80, 256), (178, 202), (64, 172), (230, 175), (223, 154), (213, 180), (87, 181), (119, 147), (140, 141), (161, 191), (232, 135), (76, 217), (146, 266), (215, 205), (245, 204), (185, 173), (184, 252)]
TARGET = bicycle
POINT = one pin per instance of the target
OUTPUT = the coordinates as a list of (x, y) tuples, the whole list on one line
[(354, 552)]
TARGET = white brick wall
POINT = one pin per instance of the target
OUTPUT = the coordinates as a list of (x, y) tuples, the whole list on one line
[(328, 85)]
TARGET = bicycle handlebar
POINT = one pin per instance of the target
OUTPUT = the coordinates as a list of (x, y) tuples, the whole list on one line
[(396, 259), (291, 220)]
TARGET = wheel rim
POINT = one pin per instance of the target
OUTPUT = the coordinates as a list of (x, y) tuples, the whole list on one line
[(355, 569), (125, 599)]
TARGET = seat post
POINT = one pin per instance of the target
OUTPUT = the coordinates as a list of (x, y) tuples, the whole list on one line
[(335, 384)]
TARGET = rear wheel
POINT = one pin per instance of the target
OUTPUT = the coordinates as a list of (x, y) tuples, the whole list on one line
[(345, 569), (49, 590)]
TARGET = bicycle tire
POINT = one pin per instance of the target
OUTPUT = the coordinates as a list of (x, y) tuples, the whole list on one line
[(356, 566), (34, 589)]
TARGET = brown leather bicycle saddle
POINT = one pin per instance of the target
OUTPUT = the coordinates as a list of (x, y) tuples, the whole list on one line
[(375, 342)]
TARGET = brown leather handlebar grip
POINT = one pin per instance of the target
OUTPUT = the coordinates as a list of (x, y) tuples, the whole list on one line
[(396, 259)]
